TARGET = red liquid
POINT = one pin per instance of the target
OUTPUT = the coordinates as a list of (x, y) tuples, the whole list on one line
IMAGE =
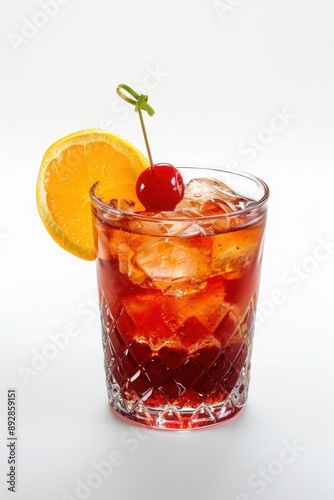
[(177, 347)]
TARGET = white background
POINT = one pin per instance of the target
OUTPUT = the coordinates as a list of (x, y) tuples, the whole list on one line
[(217, 73)]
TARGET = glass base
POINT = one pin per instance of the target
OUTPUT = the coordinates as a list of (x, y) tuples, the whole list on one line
[(199, 425), (170, 417)]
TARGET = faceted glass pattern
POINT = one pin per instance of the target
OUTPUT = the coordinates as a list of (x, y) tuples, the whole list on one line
[(153, 387)]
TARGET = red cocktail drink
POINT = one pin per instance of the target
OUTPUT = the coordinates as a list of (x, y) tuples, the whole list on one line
[(178, 293)]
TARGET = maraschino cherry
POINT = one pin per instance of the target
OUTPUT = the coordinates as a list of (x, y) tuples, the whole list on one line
[(159, 187)]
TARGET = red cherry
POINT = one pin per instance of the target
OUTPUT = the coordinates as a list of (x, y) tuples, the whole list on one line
[(160, 187)]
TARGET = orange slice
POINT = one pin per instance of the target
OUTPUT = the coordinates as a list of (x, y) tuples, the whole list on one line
[(69, 169)]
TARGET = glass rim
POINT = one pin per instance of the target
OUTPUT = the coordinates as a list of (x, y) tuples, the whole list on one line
[(253, 206)]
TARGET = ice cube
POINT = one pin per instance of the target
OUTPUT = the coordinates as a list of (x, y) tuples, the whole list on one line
[(160, 317), (101, 239), (169, 223), (185, 225), (124, 205), (167, 261), (207, 188), (147, 313), (214, 207), (150, 223), (124, 253), (234, 251), (202, 190), (208, 306)]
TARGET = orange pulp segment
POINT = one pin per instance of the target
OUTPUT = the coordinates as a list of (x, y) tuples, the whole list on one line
[(69, 168)]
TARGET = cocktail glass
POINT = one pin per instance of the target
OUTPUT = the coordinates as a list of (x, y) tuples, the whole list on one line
[(178, 293)]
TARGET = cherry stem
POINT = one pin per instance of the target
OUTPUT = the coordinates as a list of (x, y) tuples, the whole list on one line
[(139, 102)]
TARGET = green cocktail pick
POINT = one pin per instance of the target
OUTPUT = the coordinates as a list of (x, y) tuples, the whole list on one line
[(140, 103)]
